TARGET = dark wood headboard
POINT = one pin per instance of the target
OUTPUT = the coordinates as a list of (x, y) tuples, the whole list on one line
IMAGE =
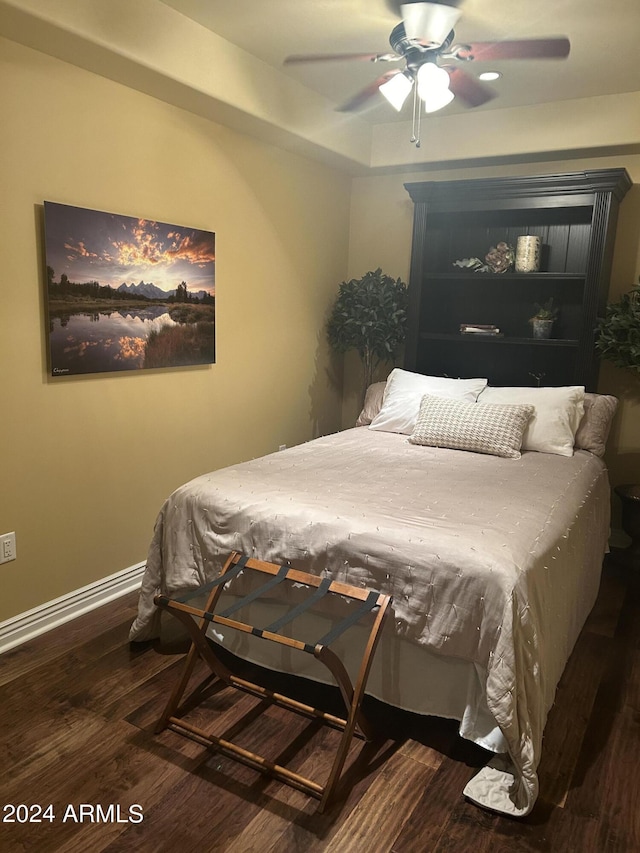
[(574, 215)]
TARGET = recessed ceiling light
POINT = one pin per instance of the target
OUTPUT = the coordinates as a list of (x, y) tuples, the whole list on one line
[(489, 75)]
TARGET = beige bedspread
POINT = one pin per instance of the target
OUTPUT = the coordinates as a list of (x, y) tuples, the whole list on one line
[(489, 560)]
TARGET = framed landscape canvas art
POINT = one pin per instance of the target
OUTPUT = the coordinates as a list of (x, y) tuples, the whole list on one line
[(126, 293)]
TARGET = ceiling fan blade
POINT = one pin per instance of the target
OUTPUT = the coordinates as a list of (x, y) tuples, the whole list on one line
[(364, 95), (337, 57), (543, 48), (469, 90)]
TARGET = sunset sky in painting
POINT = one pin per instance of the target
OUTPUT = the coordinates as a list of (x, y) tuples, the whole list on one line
[(89, 245)]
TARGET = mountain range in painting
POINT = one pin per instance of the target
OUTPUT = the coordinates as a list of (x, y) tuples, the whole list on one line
[(151, 291)]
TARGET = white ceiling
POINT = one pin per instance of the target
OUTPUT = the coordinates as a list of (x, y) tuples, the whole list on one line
[(603, 60), (223, 60)]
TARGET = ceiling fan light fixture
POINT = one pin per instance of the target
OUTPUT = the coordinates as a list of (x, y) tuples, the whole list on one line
[(437, 100), (433, 87), (429, 23), (396, 90)]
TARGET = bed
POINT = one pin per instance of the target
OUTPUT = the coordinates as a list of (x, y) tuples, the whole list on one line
[(493, 561)]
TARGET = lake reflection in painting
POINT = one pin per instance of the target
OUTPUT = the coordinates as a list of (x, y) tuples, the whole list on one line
[(93, 342), (125, 293)]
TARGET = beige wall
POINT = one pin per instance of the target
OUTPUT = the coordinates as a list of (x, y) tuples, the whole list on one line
[(87, 462), (381, 226)]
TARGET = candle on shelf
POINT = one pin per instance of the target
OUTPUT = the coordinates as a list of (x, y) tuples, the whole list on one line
[(527, 254)]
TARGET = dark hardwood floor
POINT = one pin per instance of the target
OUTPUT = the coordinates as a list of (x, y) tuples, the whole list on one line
[(78, 706)]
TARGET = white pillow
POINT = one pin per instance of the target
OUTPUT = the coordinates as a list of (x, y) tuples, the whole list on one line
[(492, 428), (404, 392), (556, 416)]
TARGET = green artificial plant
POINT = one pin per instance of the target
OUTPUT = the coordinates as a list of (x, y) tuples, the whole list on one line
[(619, 331), (370, 316), (548, 311)]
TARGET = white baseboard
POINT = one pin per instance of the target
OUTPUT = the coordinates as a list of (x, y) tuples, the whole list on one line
[(47, 616)]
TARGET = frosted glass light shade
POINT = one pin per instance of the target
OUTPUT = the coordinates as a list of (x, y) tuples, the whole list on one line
[(396, 90), (429, 23), (437, 100), (433, 87)]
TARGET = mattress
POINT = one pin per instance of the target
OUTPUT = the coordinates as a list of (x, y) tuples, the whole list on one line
[(493, 565)]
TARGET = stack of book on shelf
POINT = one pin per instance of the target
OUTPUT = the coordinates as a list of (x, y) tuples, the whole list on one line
[(479, 329)]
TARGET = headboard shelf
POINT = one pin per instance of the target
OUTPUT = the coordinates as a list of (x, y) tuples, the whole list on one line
[(573, 214), (476, 340)]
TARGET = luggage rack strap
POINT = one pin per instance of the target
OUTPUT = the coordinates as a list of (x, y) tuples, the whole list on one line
[(256, 593), (368, 604), (320, 592), (226, 576)]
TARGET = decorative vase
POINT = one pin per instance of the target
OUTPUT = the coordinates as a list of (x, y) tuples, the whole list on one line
[(527, 254), (542, 328)]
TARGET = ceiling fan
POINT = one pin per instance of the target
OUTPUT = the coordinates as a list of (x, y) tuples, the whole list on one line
[(425, 40)]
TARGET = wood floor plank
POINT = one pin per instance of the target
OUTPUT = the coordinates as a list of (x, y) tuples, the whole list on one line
[(548, 829), (204, 822), (43, 649), (310, 830), (608, 779), (384, 808), (417, 751), (143, 706), (54, 693), (429, 819), (113, 770), (52, 741), (267, 829), (570, 714), (219, 799), (204, 699), (468, 829)]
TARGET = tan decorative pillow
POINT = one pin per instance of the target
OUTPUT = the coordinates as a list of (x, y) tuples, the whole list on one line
[(491, 428), (594, 427), (372, 403)]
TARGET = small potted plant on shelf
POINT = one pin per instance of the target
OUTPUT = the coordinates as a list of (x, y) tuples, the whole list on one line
[(543, 320), (370, 316)]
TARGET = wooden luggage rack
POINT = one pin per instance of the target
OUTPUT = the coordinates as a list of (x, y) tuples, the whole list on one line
[(197, 620)]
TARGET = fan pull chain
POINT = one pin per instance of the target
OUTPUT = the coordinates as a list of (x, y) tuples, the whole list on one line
[(417, 118)]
